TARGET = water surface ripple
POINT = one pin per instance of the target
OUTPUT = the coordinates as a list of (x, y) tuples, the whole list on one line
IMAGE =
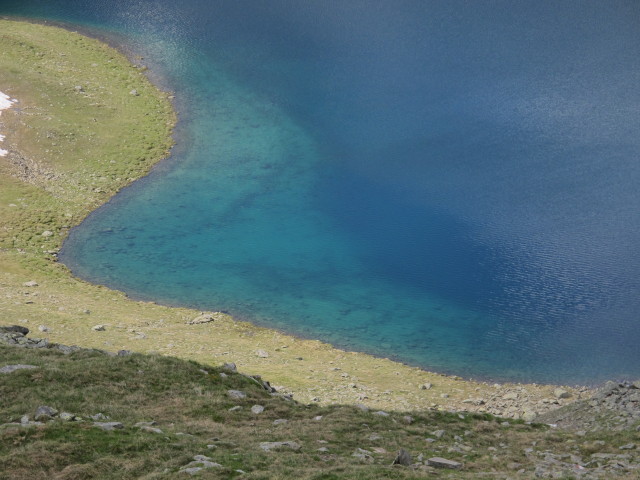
[(453, 184)]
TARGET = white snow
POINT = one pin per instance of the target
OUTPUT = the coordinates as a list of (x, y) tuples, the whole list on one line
[(5, 102)]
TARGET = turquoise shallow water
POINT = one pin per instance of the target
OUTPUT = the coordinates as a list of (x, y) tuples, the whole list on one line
[(452, 184)]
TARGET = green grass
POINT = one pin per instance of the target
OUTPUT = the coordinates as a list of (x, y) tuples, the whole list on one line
[(186, 397)]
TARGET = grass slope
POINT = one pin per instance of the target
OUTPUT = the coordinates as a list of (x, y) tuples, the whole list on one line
[(184, 397)]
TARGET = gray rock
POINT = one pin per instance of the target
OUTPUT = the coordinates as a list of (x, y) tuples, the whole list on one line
[(269, 446), (44, 413), (98, 416), (262, 354), (363, 455), (134, 92), (426, 386), (98, 328), (280, 421), (47, 233), (628, 446), (439, 462), (230, 367), (439, 433), (362, 407), (235, 409), (67, 417), (14, 329), (381, 413), (408, 419), (30, 283), (13, 368), (236, 394), (403, 458), (43, 328), (257, 409), (202, 318), (561, 393), (109, 426)]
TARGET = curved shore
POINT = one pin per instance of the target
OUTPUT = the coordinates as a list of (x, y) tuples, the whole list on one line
[(69, 150)]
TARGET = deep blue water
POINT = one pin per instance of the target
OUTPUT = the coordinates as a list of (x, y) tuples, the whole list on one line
[(450, 183)]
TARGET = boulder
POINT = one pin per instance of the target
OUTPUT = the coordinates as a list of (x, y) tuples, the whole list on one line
[(15, 329), (403, 458), (439, 462), (269, 446), (236, 394), (44, 413), (109, 426), (202, 318)]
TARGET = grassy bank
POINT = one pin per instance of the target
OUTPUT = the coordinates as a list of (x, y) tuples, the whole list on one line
[(169, 411), (87, 123)]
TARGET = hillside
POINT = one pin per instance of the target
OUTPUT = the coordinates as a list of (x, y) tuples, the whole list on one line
[(128, 415)]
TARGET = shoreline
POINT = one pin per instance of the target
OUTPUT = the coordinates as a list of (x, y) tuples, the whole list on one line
[(312, 370)]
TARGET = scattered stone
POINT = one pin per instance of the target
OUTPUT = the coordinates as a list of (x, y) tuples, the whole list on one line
[(262, 354), (529, 416), (439, 433), (257, 409), (235, 409), (403, 458), (98, 328), (31, 283), (134, 92), (47, 233), (561, 393), (628, 446), (15, 329), (362, 407), (200, 462), (323, 450), (98, 416), (408, 419), (269, 446), (13, 368), (202, 318), (78, 88), (109, 426), (236, 394), (67, 417), (426, 386), (230, 367), (510, 396), (44, 413), (280, 421), (317, 418), (124, 353), (439, 462), (43, 328), (381, 413), (363, 455)]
